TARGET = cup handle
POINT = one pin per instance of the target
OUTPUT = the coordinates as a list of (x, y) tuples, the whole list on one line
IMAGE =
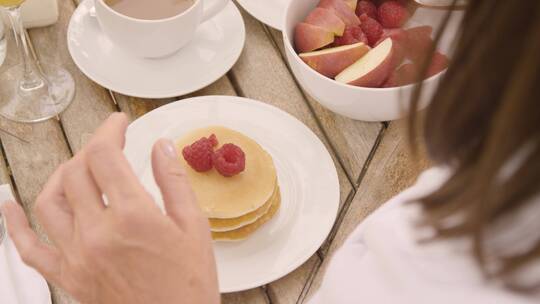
[(213, 8)]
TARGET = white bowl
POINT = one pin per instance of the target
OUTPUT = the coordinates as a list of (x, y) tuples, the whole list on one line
[(369, 104)]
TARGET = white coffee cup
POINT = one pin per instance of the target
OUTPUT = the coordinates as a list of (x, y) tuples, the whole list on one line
[(155, 38)]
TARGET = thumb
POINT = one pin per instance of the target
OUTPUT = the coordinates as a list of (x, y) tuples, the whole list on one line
[(171, 178)]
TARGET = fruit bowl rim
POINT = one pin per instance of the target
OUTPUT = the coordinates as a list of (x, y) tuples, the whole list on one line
[(290, 48)]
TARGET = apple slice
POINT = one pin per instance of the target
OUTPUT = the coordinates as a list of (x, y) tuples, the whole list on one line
[(409, 72), (404, 75), (309, 37), (326, 19), (342, 10), (439, 63), (332, 61), (372, 69), (399, 37), (351, 35), (351, 4), (418, 43)]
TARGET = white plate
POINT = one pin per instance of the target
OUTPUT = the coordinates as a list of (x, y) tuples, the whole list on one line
[(217, 46), (306, 174), (269, 12)]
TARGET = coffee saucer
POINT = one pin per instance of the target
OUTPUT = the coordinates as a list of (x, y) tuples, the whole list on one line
[(306, 176), (217, 45)]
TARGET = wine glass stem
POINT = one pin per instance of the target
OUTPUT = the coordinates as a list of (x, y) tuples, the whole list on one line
[(32, 78)]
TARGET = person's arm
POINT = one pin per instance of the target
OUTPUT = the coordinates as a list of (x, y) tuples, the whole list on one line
[(127, 251)]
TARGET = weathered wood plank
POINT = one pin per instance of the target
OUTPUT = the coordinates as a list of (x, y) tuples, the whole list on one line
[(4, 172), (391, 170), (292, 288), (352, 139), (136, 107), (19, 131), (33, 161), (261, 74), (32, 164), (89, 108), (92, 104)]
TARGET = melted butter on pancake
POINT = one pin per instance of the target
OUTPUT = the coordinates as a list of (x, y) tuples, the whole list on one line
[(245, 231), (232, 197)]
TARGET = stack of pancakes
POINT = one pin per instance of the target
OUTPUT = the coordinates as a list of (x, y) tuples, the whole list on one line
[(235, 206)]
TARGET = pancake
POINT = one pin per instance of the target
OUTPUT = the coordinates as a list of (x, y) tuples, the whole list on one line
[(237, 222), (245, 231), (222, 197)]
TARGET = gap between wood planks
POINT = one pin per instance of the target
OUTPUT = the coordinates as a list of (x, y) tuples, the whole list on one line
[(3, 159), (322, 252), (234, 83)]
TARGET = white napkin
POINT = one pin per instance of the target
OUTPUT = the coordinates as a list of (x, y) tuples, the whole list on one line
[(19, 284)]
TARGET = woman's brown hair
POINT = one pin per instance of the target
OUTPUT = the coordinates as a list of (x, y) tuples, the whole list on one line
[(484, 123)]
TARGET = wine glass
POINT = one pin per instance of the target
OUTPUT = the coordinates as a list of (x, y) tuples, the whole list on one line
[(30, 92)]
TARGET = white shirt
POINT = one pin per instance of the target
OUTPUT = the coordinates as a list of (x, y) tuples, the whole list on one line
[(382, 262)]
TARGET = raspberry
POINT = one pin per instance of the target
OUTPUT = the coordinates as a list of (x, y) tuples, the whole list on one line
[(371, 28), (408, 73), (199, 154), (213, 140), (351, 35), (392, 14), (229, 160), (366, 7)]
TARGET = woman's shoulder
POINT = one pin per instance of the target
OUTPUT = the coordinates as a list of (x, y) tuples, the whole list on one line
[(427, 182), (384, 260)]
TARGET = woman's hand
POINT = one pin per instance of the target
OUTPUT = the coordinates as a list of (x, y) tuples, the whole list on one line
[(127, 251)]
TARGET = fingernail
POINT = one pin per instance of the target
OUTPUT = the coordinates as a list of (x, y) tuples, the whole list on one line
[(168, 148)]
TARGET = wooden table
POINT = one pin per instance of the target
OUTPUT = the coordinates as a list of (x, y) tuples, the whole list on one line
[(371, 158)]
